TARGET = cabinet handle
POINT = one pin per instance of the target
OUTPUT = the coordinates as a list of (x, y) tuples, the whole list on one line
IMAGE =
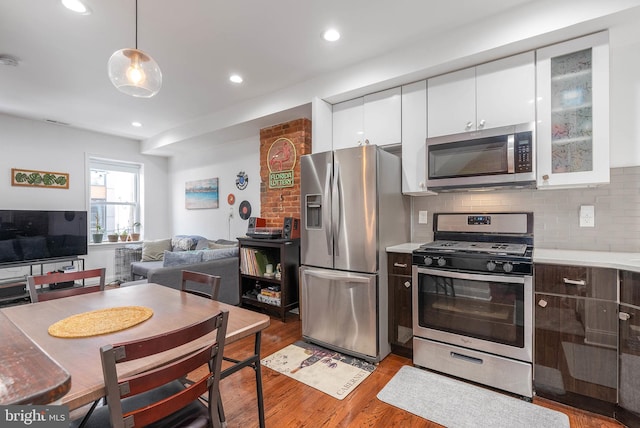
[(481, 124), (545, 177), (568, 281), (623, 316), (407, 284), (401, 265), (542, 303), (469, 125)]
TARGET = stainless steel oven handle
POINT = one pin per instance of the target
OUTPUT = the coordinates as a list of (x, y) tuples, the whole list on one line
[(472, 276)]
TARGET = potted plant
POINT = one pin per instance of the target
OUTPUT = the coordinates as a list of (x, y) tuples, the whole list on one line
[(124, 235), (113, 236), (97, 236), (135, 235)]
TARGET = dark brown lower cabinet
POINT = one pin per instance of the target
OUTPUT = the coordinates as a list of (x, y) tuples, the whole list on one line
[(629, 378), (400, 312), (576, 337)]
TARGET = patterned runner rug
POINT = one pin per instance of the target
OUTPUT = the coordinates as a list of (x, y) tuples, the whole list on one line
[(328, 371), (457, 404)]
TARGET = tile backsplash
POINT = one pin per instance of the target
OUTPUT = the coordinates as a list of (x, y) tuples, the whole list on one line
[(556, 213)]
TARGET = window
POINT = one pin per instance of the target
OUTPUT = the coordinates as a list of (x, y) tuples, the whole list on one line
[(115, 195)]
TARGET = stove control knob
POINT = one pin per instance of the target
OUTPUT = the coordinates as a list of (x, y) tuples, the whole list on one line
[(491, 266), (507, 267), (428, 261), (442, 261)]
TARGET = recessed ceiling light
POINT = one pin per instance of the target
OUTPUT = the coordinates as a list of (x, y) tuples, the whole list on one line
[(76, 6), (235, 78), (331, 35), (136, 124)]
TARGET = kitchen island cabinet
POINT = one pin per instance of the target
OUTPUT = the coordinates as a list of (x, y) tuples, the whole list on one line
[(573, 112), (576, 336), (498, 93)]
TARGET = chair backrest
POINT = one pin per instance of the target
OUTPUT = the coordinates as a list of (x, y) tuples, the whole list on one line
[(159, 406), (62, 277), (211, 281)]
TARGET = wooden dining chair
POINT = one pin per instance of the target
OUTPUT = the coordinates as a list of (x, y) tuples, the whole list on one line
[(42, 294), (157, 396), (212, 282)]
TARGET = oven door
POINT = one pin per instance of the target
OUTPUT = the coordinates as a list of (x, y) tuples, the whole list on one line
[(485, 312)]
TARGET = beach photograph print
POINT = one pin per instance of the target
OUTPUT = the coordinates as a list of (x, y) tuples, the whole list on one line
[(201, 194)]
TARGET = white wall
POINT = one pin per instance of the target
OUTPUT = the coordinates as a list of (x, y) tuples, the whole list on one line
[(30, 144), (201, 159)]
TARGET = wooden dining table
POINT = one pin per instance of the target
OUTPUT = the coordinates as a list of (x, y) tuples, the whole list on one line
[(172, 309)]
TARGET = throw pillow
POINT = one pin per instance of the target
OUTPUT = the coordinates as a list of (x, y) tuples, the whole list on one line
[(181, 258), (202, 244), (220, 253), (154, 250), (183, 243)]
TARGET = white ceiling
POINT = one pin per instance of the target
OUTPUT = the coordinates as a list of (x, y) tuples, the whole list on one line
[(273, 44)]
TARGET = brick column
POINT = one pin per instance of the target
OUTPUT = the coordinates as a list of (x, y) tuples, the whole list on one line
[(276, 204)]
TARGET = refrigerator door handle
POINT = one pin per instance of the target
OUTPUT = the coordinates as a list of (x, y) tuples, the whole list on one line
[(326, 218), (330, 275), (336, 206)]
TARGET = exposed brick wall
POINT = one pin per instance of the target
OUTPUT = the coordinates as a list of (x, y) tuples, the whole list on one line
[(276, 204)]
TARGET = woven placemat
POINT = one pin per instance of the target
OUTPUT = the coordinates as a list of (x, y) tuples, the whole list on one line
[(101, 321)]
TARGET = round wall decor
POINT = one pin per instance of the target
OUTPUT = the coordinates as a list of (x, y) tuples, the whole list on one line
[(244, 210), (231, 199), (242, 179)]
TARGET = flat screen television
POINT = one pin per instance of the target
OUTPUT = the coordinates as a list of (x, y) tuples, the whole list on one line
[(33, 235)]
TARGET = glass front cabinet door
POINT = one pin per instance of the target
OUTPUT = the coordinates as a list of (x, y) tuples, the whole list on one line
[(573, 112)]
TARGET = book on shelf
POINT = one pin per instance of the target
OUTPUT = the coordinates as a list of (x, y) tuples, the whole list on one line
[(254, 262)]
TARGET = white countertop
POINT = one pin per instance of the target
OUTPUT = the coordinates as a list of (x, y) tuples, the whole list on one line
[(407, 247), (605, 259)]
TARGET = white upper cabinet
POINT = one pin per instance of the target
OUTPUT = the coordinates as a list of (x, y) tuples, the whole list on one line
[(321, 125), (414, 134), (498, 93), (372, 119), (573, 113), (382, 112), (348, 123)]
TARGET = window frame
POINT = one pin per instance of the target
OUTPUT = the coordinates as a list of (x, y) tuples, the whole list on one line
[(106, 164)]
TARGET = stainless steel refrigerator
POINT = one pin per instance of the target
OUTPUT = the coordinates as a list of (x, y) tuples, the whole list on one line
[(352, 208)]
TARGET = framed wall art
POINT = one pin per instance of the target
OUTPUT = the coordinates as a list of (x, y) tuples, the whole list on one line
[(31, 178), (201, 194)]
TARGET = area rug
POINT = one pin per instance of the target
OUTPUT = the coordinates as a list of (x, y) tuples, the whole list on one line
[(457, 404), (328, 371)]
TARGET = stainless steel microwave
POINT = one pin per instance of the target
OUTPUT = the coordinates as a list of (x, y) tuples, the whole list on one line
[(487, 158)]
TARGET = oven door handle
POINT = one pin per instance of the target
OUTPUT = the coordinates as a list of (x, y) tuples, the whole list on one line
[(472, 276)]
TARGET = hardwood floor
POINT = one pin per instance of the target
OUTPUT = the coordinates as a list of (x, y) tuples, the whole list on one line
[(289, 403)]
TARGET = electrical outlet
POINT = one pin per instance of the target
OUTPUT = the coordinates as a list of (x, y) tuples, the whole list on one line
[(587, 216), (423, 217)]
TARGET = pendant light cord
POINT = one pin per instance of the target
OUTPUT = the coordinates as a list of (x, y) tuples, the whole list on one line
[(136, 24)]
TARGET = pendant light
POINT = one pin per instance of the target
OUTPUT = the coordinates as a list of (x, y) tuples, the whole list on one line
[(134, 72)]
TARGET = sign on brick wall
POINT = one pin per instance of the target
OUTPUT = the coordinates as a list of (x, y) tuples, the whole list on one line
[(281, 160)]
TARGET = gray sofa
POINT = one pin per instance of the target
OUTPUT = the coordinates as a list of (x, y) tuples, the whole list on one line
[(220, 259)]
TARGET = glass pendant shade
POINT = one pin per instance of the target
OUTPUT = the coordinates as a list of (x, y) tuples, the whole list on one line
[(135, 73)]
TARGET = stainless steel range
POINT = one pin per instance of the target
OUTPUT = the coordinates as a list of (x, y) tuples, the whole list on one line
[(472, 299)]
